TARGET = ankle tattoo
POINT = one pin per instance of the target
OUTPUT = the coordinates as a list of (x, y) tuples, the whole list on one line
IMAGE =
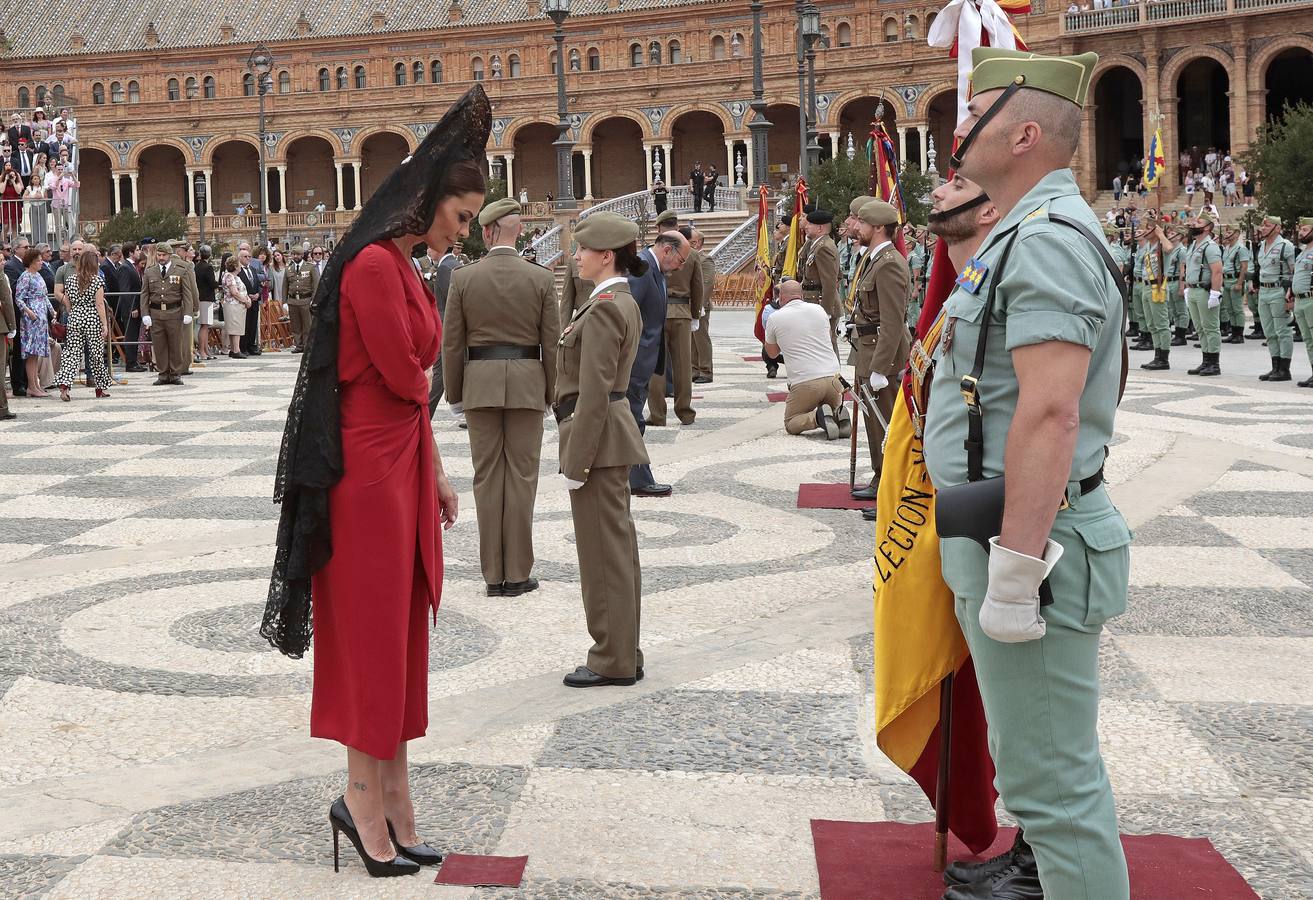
[(360, 786)]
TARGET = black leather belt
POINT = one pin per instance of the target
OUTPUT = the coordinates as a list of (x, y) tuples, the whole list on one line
[(1086, 485), (299, 296), (867, 329), (811, 285), (564, 409), (683, 300), (175, 304), (1304, 296), (503, 351), (1269, 284), (1208, 286)]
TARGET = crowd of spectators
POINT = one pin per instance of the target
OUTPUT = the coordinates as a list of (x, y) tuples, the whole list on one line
[(39, 183)]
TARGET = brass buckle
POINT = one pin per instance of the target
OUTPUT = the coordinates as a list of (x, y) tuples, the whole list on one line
[(969, 391), (1064, 504)]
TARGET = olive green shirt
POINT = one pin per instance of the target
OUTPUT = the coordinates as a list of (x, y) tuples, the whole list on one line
[(1031, 307), (1302, 283), (1175, 263), (1137, 263), (1233, 258), (1276, 262), (1199, 260)]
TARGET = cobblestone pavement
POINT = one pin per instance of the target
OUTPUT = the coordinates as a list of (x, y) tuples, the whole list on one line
[(152, 746)]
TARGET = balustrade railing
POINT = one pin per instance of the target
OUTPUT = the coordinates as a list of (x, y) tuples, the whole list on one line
[(737, 247), (1134, 15)]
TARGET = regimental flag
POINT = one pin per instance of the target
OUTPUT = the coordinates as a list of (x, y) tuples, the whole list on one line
[(791, 261), (1154, 162), (764, 281), (883, 180)]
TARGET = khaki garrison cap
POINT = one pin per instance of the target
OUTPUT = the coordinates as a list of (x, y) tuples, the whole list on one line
[(667, 217), (1270, 219), (605, 231), (858, 202), (498, 208), (1306, 221), (1110, 230), (878, 212), (1066, 76)]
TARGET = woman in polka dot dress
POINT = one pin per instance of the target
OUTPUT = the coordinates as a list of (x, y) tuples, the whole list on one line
[(87, 326)]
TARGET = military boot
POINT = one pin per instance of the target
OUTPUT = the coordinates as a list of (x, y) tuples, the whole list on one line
[(1178, 337), (1282, 371), (1237, 335), (1276, 367), (1212, 364), (1307, 382), (1144, 342), (1203, 364), (1017, 880), (1256, 333), (1134, 330), (1158, 362), (971, 872)]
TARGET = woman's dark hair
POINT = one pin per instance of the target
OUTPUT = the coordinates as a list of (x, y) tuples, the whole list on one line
[(628, 261), (30, 255), (464, 177), (230, 263), (277, 260)]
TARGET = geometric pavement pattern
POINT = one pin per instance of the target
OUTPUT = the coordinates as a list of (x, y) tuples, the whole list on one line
[(151, 744)]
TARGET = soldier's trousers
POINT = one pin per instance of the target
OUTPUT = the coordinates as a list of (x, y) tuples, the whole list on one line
[(166, 343), (300, 319), (1233, 302), (702, 346), (1304, 319), (1041, 699), (609, 573), (1208, 322), (1275, 321), (884, 401), (1180, 313), (913, 313), (679, 351), (1138, 314), (1159, 321), (505, 446)]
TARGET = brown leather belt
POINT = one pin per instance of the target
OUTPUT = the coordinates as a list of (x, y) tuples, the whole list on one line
[(174, 305), (564, 408), (684, 300)]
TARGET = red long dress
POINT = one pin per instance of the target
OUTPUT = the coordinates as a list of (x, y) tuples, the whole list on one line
[(372, 600)]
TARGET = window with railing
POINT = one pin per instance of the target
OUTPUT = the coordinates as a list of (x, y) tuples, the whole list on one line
[(284, 82), (676, 52), (513, 65), (399, 74), (98, 94), (594, 60), (324, 83), (116, 94), (635, 55), (476, 68), (134, 92), (210, 87), (24, 97), (174, 89), (843, 35), (891, 34), (362, 80), (193, 88), (248, 85), (435, 71)]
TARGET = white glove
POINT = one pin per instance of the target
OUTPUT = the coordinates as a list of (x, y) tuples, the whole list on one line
[(1214, 299), (145, 320), (697, 323), (458, 409), (571, 484), (11, 334), (287, 308), (186, 320), (841, 328), (1010, 612), (878, 382)]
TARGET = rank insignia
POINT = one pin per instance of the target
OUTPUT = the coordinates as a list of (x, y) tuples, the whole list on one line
[(973, 275), (606, 295)]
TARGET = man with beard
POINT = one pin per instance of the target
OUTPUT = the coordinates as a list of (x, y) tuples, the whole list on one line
[(1301, 290), (1276, 268), (1235, 274), (1152, 274)]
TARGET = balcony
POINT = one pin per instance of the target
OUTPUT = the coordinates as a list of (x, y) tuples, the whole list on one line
[(1139, 15)]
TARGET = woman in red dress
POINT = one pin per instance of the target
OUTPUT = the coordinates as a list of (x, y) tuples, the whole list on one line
[(363, 490)]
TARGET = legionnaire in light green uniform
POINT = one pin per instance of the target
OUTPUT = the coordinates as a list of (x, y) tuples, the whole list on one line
[(1174, 264), (1052, 355), (1158, 247), (1235, 271), (1203, 286), (1301, 289), (1140, 296), (1276, 268), (916, 261)]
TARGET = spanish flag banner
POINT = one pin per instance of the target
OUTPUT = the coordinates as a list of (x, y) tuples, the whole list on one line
[(790, 268), (763, 282)]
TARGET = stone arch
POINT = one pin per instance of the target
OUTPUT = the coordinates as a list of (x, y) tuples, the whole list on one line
[(278, 152), (784, 138), (856, 111), (236, 173), (134, 155), (162, 176), (1287, 78), (1201, 86), (591, 123), (668, 123), (1118, 133), (110, 153), (1115, 61), (508, 138), (619, 162), (405, 133), (311, 178), (1176, 65), (95, 165), (380, 154), (207, 153), (927, 98), (535, 157), (1259, 62), (695, 138)]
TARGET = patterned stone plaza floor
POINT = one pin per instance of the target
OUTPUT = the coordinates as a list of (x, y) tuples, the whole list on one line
[(152, 746)]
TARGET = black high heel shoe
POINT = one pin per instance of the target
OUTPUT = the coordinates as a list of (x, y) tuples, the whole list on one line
[(339, 817), (420, 853)]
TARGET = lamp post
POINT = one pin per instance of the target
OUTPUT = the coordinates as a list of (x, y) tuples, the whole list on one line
[(760, 125), (798, 7), (558, 11), (261, 63), (811, 34), (198, 189)]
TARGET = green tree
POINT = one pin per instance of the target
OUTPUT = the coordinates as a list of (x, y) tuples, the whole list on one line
[(834, 183), (473, 245), (129, 225), (1280, 159)]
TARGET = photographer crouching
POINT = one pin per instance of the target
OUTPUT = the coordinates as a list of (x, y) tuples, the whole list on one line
[(801, 331)]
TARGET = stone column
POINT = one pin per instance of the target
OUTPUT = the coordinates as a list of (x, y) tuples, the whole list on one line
[(338, 167), (133, 177), (668, 164), (282, 189), (355, 177), (191, 193), (1085, 165), (588, 172), (208, 172), (729, 157), (1172, 174), (924, 132), (1240, 129), (836, 145), (116, 179), (902, 144), (649, 154), (510, 173)]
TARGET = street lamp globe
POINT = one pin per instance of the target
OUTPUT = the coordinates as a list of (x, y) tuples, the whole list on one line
[(261, 61), (556, 10), (811, 23)]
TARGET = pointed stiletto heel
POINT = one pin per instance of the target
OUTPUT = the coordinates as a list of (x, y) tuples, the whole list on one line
[(339, 818), (421, 853)]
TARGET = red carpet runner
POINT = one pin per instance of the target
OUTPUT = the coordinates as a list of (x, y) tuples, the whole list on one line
[(829, 496), (481, 871)]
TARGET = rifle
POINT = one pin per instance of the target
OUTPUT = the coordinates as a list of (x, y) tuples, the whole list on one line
[(1253, 254)]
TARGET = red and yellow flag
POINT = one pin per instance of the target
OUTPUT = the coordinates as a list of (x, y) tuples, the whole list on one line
[(883, 181), (764, 281), (790, 267)]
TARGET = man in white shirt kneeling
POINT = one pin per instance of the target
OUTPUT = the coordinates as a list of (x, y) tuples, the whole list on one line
[(801, 331)]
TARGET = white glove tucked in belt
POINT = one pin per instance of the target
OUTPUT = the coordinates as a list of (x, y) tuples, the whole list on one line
[(878, 382), (145, 320), (571, 484), (1010, 612), (186, 320), (1214, 299)]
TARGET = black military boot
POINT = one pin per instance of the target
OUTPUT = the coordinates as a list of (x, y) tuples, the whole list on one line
[(971, 872), (1237, 335), (1282, 371), (1018, 880), (1178, 337), (1307, 382), (1203, 364), (1134, 330), (1144, 342), (1158, 362), (1212, 364), (1256, 333), (1276, 367)]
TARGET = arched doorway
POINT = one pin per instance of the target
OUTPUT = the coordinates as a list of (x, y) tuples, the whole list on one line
[(1204, 115), (782, 153), (95, 197), (380, 154), (311, 179), (618, 166), (236, 178), (941, 116), (1118, 125), (697, 136), (535, 160), (161, 179), (857, 115), (1289, 80)]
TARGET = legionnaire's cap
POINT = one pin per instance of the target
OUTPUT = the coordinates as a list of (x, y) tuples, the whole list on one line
[(1206, 216), (498, 208), (1306, 221), (1110, 230), (858, 202), (820, 217), (605, 231), (878, 212), (1270, 219), (666, 217), (1066, 76)]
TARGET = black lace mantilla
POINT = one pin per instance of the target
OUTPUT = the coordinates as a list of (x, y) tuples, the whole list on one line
[(310, 461)]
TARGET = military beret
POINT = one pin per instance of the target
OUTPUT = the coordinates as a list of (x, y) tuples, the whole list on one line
[(878, 212), (666, 216), (1272, 220), (605, 231), (1306, 221), (498, 208), (858, 202), (786, 221), (1065, 76), (820, 217)]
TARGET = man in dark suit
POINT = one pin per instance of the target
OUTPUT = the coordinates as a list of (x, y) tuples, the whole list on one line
[(439, 283), (13, 269), (128, 279), (666, 254), (23, 159), (18, 131), (250, 342)]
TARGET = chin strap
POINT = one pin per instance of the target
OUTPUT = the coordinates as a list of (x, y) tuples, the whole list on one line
[(945, 215), (958, 154)]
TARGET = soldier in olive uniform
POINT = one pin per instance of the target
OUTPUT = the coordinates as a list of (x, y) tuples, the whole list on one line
[(702, 368), (599, 442), (499, 368), (1140, 296), (880, 323), (302, 283), (1301, 289), (1038, 409), (1174, 271), (1203, 286), (169, 299), (1235, 272), (685, 298), (1276, 269), (819, 270), (1158, 248)]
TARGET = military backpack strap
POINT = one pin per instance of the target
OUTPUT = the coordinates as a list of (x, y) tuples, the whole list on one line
[(970, 385)]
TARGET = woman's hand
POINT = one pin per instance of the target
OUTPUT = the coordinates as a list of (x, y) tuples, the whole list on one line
[(31, 315), (448, 502)]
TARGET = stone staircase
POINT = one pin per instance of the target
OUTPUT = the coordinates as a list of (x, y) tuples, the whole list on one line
[(1103, 202)]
